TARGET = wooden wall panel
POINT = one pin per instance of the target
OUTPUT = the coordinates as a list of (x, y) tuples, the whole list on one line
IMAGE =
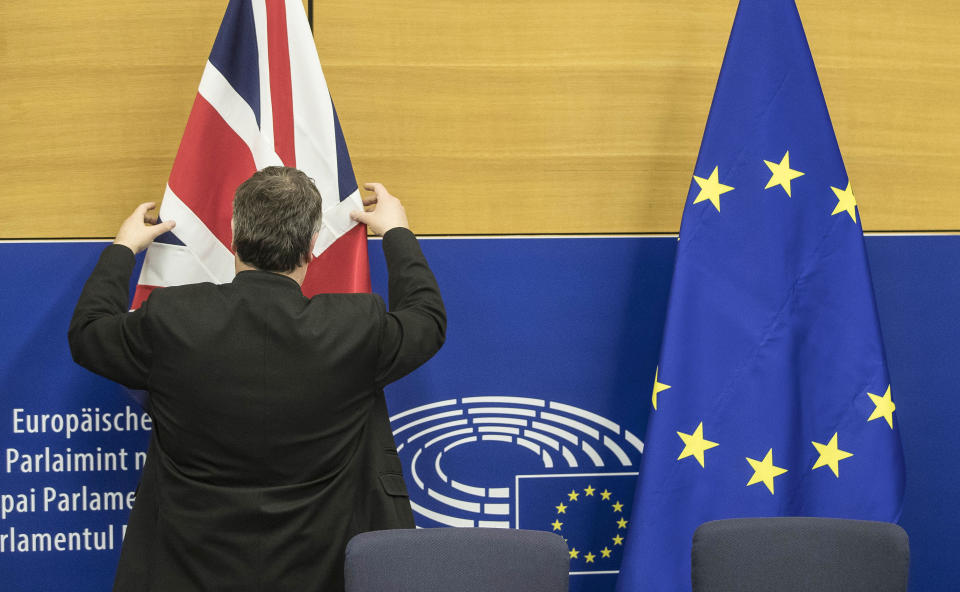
[(561, 116), (539, 117), (890, 72), (95, 97)]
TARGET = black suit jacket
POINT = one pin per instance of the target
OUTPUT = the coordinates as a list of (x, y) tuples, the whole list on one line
[(271, 444)]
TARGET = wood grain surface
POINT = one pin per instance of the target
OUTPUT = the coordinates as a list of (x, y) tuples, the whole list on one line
[(495, 117)]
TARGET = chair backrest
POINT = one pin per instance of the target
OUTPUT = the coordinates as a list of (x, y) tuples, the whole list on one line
[(461, 559), (799, 554)]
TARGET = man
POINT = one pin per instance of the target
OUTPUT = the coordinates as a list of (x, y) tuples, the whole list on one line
[(271, 445)]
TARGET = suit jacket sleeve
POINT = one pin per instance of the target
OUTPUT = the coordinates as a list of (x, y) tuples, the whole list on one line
[(103, 336), (415, 327)]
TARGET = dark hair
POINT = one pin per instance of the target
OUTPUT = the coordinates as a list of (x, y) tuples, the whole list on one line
[(275, 214)]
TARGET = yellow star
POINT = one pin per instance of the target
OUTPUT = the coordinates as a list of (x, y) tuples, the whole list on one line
[(622, 523), (574, 553), (764, 471), (845, 202), (589, 557), (694, 444), (782, 173), (884, 409), (605, 552), (618, 507), (589, 490), (711, 189), (561, 509), (605, 494), (617, 540), (830, 455), (573, 495), (556, 524), (658, 387)]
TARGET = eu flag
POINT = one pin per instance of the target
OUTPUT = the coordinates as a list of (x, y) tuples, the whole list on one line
[(772, 396)]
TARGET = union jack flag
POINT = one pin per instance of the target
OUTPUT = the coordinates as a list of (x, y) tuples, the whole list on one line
[(262, 101)]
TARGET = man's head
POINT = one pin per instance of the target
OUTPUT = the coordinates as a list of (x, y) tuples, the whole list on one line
[(276, 213)]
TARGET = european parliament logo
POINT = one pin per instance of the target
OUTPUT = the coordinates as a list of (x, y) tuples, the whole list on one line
[(522, 462)]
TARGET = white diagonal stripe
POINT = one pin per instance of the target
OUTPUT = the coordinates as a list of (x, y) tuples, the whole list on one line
[(263, 59), (236, 112), (171, 265), (336, 221), (211, 254), (314, 134)]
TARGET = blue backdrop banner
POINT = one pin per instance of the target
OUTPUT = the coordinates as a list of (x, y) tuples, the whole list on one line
[(565, 333)]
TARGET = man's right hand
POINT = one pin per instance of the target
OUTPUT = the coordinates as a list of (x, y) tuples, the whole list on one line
[(140, 228), (387, 212)]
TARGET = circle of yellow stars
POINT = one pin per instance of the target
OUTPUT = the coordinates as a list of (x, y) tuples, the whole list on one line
[(781, 175), (829, 454), (615, 505)]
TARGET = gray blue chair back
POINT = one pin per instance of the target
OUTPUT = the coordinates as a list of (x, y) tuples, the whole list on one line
[(799, 554), (457, 559)]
